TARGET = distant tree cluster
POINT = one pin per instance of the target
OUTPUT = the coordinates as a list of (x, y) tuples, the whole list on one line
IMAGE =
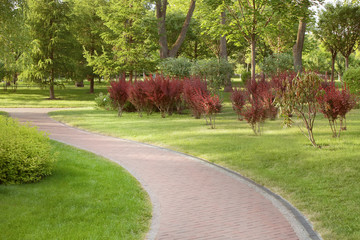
[(46, 40)]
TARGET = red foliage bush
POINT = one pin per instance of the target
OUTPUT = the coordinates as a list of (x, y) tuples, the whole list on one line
[(335, 104), (211, 105), (238, 98), (164, 92), (139, 98), (255, 114), (255, 104), (194, 89), (119, 94)]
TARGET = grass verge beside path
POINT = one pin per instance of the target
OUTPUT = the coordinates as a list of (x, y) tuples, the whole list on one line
[(87, 197), (322, 183), (70, 96)]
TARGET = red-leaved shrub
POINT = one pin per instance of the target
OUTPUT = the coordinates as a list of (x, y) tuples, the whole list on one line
[(139, 98), (238, 98), (335, 104), (164, 92), (211, 106), (255, 104), (194, 88), (119, 94)]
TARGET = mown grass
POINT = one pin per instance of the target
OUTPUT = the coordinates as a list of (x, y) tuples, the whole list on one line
[(87, 197), (322, 183), (32, 96)]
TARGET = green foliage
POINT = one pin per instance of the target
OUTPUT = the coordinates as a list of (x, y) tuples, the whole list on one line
[(51, 42), (245, 77), (352, 79), (179, 67), (24, 153), (103, 101), (277, 63), (129, 38), (215, 71)]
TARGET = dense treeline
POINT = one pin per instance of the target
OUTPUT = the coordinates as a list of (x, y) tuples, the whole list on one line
[(45, 40)]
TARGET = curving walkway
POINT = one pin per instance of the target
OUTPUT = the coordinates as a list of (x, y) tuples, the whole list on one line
[(192, 199)]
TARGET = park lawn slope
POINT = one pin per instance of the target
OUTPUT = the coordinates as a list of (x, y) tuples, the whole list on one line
[(322, 183), (86, 197)]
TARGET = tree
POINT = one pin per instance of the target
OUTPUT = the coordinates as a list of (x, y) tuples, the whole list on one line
[(328, 32), (349, 29), (302, 10), (251, 18), (87, 27), (13, 38), (48, 21), (161, 8), (128, 35)]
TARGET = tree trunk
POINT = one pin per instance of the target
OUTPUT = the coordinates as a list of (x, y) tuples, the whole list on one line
[(51, 88), (92, 83), (223, 47), (253, 57), (346, 62), (179, 41), (298, 47), (196, 50), (161, 6), (131, 74), (224, 55), (333, 57)]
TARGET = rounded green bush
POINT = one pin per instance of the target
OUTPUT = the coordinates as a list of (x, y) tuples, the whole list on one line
[(352, 79), (24, 153)]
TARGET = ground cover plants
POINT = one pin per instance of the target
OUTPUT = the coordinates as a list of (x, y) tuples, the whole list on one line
[(86, 197)]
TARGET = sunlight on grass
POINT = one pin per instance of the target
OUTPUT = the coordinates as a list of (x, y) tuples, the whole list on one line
[(322, 183), (87, 197), (70, 96)]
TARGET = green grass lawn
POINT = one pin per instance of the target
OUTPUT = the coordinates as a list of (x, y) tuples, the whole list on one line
[(322, 183), (33, 96), (87, 197)]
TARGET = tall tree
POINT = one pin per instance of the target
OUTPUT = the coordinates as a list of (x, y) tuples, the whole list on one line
[(349, 28), (87, 27), (251, 18), (328, 32), (48, 21), (13, 38), (161, 9), (302, 10), (128, 35)]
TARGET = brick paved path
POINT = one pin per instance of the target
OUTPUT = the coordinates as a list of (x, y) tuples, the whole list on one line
[(191, 199)]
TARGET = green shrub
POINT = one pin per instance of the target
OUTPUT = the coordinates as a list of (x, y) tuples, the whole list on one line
[(176, 67), (277, 63), (24, 153), (216, 72), (352, 79), (245, 77), (103, 101)]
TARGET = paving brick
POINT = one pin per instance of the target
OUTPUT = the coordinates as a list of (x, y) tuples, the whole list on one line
[(194, 200)]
